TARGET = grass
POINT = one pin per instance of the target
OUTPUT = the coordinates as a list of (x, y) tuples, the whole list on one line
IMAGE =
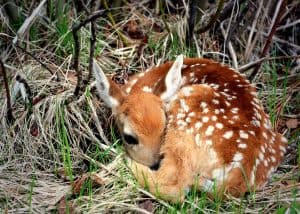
[(37, 172)]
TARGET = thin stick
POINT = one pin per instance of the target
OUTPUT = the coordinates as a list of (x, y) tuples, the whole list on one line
[(75, 29), (92, 43), (9, 114), (271, 34), (28, 22), (252, 64)]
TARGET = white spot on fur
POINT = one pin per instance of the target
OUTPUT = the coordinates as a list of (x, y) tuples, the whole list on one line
[(192, 114), (217, 111), (273, 151), (283, 139), (273, 159), (219, 125), (214, 118), (198, 140), (209, 131), (228, 134), (261, 156), (215, 101), (208, 142), (187, 91), (147, 89), (264, 134), (180, 115), (216, 94), (243, 134), (242, 145), (252, 132), (198, 125), (205, 111), (227, 103), (282, 148), (203, 104), (128, 90), (234, 110), (183, 105), (237, 157), (205, 119)]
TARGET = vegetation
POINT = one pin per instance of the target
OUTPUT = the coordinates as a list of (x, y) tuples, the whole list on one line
[(61, 152)]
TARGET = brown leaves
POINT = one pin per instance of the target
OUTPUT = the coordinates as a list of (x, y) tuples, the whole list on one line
[(147, 205), (133, 30), (79, 182), (292, 123), (65, 206)]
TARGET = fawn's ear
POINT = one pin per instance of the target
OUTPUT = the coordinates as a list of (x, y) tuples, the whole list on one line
[(173, 79), (108, 91)]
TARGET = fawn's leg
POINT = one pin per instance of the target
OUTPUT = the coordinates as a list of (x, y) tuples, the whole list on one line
[(163, 183)]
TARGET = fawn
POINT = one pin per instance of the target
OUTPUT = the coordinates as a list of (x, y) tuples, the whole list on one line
[(193, 122)]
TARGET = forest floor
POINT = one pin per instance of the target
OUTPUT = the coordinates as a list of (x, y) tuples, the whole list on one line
[(62, 152)]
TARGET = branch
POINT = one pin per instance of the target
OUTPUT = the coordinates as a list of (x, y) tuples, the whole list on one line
[(260, 61), (92, 44), (9, 114), (29, 21), (271, 34), (75, 28)]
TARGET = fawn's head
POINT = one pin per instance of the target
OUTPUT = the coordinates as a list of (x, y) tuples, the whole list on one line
[(140, 115)]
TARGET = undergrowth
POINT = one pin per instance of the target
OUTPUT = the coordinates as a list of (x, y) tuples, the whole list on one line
[(59, 157)]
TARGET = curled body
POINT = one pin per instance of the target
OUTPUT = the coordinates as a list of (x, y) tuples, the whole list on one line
[(193, 122)]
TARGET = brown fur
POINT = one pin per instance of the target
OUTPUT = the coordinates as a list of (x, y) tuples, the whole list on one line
[(214, 130)]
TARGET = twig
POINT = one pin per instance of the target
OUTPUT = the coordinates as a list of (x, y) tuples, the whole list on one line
[(252, 41), (252, 64), (191, 21), (36, 59), (9, 114), (28, 22), (213, 18), (230, 48), (282, 5), (235, 25), (75, 29), (92, 43)]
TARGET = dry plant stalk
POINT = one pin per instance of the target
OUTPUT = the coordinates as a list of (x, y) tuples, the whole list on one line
[(266, 47), (9, 114), (75, 29)]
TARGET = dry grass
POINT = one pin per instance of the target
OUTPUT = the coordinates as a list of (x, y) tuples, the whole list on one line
[(50, 146)]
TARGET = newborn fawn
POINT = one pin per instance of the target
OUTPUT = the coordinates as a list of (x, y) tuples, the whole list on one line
[(193, 123)]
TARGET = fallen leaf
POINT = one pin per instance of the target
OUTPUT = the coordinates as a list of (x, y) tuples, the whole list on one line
[(292, 123), (96, 179), (65, 206), (132, 29), (147, 205), (78, 183), (34, 129)]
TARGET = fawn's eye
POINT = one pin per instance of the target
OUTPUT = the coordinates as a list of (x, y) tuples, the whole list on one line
[(129, 139)]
